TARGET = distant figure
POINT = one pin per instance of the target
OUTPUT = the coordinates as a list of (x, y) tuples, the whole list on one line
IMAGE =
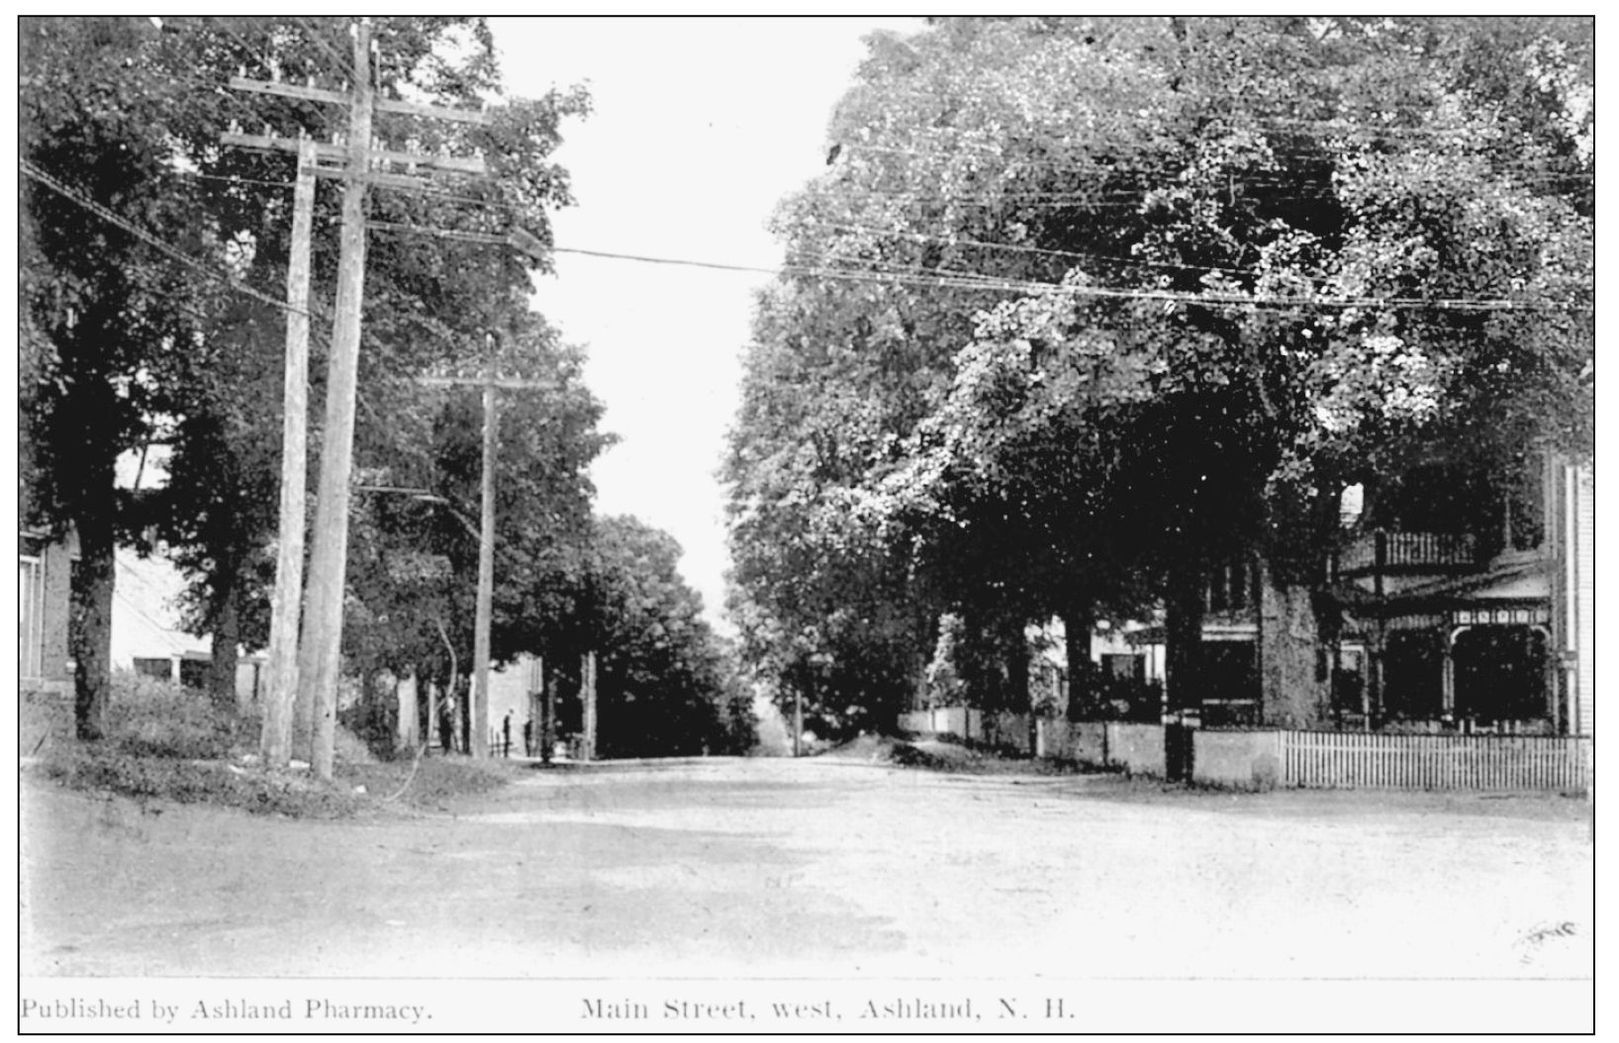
[(506, 735), (446, 727), (528, 738)]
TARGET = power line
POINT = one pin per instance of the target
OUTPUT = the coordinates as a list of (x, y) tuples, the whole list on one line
[(1126, 164), (994, 281), (969, 280), (957, 278), (916, 276), (86, 203), (1035, 250)]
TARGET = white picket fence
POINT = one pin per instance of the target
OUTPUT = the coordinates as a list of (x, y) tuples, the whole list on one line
[(1307, 759), (1365, 760)]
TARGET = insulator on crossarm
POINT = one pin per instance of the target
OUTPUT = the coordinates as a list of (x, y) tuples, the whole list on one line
[(241, 71)]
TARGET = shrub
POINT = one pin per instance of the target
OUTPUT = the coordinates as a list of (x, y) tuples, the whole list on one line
[(148, 717)]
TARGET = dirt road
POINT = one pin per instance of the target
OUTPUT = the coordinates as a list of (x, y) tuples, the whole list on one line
[(820, 867)]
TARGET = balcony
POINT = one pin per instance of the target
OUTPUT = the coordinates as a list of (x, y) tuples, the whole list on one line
[(1409, 552)]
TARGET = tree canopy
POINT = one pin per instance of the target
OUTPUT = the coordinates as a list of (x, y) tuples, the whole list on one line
[(1089, 306), (153, 273)]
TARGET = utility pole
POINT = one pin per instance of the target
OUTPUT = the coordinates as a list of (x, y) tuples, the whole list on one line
[(321, 644), (320, 647), (587, 691), (536, 706), (798, 721), (486, 568), (483, 612), (275, 744), (550, 718)]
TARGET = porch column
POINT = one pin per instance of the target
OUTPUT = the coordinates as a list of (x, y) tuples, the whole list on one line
[(1371, 696), (1552, 671)]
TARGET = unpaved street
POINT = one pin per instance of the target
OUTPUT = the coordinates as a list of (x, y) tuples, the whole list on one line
[(819, 867)]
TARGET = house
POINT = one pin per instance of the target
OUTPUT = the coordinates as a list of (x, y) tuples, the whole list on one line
[(1483, 625), (1456, 608), (44, 586), (146, 634), (146, 637)]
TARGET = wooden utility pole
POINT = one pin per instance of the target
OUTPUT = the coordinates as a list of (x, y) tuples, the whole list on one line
[(486, 569), (587, 691), (547, 751), (322, 636), (483, 613), (275, 744), (536, 706), (798, 721), (320, 646)]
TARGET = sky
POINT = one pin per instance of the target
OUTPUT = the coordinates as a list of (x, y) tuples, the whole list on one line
[(700, 126)]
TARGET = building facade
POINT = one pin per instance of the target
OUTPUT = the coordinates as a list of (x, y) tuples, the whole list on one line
[(44, 594), (1480, 621)]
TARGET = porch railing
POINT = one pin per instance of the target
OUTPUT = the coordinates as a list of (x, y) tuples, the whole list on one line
[(1384, 549), (1358, 760)]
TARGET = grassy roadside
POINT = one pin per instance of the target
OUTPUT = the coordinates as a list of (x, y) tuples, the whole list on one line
[(942, 753), (168, 743)]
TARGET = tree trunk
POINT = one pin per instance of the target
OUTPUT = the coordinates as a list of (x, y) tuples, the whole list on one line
[(1183, 637), (463, 712), (919, 679), (1293, 692), (1077, 623), (226, 638), (303, 706), (90, 634), (1016, 645)]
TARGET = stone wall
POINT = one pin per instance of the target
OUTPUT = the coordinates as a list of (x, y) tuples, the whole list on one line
[(1242, 759)]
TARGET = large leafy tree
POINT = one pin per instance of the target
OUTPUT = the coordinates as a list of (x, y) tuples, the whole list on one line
[(664, 681), (430, 302), (411, 605), (107, 318), (124, 342), (1259, 279)]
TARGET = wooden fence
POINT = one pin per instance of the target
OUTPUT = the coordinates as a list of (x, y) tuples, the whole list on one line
[(1010, 730), (1358, 760)]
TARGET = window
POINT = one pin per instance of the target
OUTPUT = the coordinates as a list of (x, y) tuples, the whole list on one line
[(194, 673), (158, 668), (1239, 586), (1125, 666), (30, 617)]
